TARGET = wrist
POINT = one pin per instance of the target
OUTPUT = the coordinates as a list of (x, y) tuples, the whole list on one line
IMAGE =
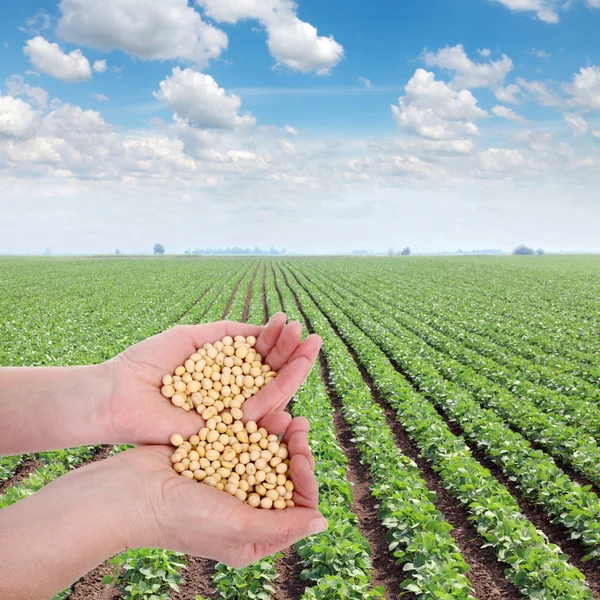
[(97, 417)]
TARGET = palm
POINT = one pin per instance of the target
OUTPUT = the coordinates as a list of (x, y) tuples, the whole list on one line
[(141, 415), (204, 521)]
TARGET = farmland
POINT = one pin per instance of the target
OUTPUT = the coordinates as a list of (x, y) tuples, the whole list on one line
[(455, 414)]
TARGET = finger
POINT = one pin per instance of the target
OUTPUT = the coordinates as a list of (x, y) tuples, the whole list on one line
[(273, 530), (306, 488), (286, 345), (276, 423), (270, 334), (298, 444), (297, 424), (211, 332), (276, 395)]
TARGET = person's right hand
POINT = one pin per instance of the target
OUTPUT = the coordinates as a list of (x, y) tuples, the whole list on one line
[(165, 510)]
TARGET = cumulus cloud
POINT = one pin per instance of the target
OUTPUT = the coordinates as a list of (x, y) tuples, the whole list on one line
[(100, 97), (585, 88), (501, 159), (577, 123), (293, 43), (366, 82), (286, 147), (148, 29), (508, 113), (291, 130), (100, 66), (596, 134), (509, 94), (545, 10), (198, 99), (50, 59), (16, 86), (16, 117), (435, 110), (540, 92), (485, 52), (469, 74)]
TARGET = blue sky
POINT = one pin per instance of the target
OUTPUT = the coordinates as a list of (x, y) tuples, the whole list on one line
[(494, 139)]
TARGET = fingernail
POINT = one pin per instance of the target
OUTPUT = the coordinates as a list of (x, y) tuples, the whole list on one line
[(318, 525)]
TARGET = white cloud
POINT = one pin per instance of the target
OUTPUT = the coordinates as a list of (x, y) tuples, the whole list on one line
[(100, 97), (435, 110), (545, 10), (540, 92), (100, 66), (485, 52), (297, 45), (291, 130), (366, 82), (508, 113), (585, 88), (16, 117), (16, 86), (596, 134), (577, 123), (544, 144), (293, 43), (40, 22), (469, 74), (148, 29), (286, 147), (508, 94), (500, 159), (50, 59), (539, 53), (198, 99)]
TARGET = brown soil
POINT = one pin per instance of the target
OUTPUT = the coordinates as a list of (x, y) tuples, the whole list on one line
[(24, 470), (197, 580), (91, 586), (249, 296), (486, 574), (289, 586)]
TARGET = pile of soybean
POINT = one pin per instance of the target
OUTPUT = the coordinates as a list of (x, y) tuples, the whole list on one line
[(240, 459)]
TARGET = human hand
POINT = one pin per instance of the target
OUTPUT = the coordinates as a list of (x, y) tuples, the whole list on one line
[(136, 499), (137, 412), (172, 512)]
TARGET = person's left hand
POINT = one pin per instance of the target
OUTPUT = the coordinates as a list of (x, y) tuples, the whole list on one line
[(137, 413)]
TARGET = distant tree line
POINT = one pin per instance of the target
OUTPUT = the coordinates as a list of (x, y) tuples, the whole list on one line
[(404, 252), (523, 250), (237, 250)]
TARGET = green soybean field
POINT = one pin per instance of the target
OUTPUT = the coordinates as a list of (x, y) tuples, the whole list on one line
[(454, 409)]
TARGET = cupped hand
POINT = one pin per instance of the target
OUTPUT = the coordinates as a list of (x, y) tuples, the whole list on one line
[(169, 511), (139, 414)]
